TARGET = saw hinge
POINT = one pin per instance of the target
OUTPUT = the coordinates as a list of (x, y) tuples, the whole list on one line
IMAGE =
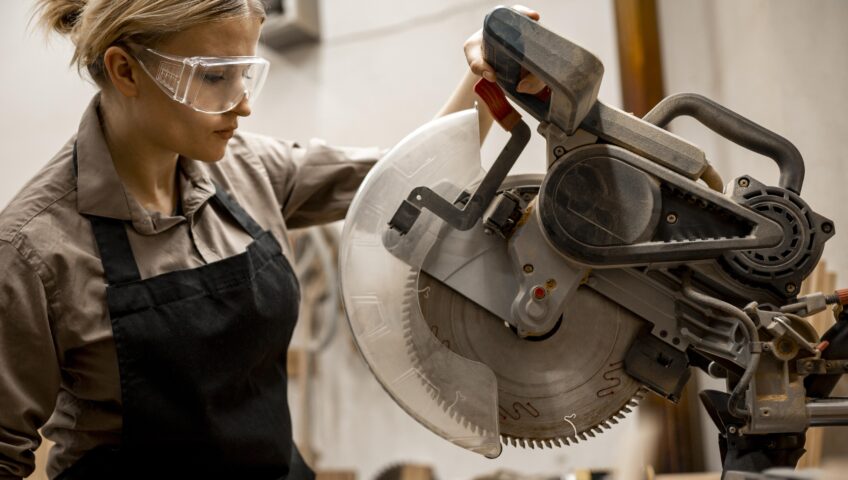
[(503, 214)]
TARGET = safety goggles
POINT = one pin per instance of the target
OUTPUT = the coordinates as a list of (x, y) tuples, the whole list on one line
[(206, 84)]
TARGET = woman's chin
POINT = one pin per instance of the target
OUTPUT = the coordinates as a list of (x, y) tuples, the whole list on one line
[(211, 154)]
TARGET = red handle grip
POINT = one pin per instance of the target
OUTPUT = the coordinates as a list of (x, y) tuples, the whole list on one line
[(501, 109)]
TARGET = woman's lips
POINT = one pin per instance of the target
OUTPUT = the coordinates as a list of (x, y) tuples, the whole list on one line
[(225, 134)]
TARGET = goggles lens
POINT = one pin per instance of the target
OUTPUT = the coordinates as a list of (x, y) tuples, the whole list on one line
[(206, 84)]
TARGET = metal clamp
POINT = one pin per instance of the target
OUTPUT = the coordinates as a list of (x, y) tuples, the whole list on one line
[(807, 366)]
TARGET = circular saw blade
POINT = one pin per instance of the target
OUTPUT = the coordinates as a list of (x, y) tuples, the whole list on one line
[(552, 391)]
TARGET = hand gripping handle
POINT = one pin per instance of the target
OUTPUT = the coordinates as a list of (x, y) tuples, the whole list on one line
[(514, 44)]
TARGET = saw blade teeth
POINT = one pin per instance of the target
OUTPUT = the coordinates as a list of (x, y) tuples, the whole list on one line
[(415, 309)]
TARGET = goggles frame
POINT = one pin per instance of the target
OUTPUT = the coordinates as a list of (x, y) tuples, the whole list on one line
[(175, 75)]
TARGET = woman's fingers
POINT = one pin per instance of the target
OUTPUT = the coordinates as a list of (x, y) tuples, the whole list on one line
[(530, 84), (474, 55), (527, 11)]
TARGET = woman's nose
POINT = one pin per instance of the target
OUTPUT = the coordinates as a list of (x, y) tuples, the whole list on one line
[(242, 109)]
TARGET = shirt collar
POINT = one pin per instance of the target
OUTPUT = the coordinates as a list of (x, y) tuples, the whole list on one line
[(101, 193), (99, 189)]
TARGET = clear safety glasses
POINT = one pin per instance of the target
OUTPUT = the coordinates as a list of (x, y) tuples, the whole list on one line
[(206, 84)]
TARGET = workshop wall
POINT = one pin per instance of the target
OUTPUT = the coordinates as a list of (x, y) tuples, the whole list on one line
[(781, 63)]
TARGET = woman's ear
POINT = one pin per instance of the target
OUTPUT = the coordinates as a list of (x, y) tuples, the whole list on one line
[(122, 69)]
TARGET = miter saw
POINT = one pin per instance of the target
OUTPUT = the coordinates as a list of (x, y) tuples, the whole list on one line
[(535, 310)]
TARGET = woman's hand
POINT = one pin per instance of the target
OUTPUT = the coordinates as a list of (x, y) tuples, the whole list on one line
[(474, 55)]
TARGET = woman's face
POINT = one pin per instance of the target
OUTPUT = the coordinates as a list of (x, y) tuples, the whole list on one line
[(174, 127)]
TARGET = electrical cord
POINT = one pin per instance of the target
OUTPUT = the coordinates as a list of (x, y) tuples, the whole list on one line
[(753, 340)]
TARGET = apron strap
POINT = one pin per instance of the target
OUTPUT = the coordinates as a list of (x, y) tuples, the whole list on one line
[(115, 251), (237, 212), (113, 243)]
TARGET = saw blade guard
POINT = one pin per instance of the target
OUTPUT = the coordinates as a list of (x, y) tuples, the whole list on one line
[(452, 396)]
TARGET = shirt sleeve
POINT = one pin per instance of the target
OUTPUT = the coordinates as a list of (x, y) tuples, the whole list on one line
[(314, 184), (29, 371)]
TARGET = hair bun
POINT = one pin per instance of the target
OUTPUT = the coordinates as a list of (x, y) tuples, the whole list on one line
[(60, 16)]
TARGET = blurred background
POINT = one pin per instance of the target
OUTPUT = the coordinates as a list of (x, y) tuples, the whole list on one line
[(367, 73)]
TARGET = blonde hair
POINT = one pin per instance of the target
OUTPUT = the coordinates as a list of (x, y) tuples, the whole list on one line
[(96, 25)]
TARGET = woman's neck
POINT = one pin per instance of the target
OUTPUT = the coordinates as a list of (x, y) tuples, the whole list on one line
[(148, 173)]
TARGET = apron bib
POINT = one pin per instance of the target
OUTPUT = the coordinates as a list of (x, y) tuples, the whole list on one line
[(202, 361)]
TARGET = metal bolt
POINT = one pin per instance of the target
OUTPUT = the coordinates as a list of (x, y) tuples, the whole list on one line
[(671, 218), (731, 430), (766, 346), (829, 364), (744, 182), (827, 227), (808, 366), (790, 287), (559, 151), (528, 268), (550, 284)]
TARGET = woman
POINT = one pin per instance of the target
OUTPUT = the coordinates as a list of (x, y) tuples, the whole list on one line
[(147, 301)]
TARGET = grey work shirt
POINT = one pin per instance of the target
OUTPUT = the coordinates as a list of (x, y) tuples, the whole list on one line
[(58, 362)]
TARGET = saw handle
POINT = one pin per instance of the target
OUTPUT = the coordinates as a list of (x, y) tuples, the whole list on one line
[(735, 128), (514, 44)]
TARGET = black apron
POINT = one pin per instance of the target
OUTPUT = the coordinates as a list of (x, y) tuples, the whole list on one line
[(202, 360)]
